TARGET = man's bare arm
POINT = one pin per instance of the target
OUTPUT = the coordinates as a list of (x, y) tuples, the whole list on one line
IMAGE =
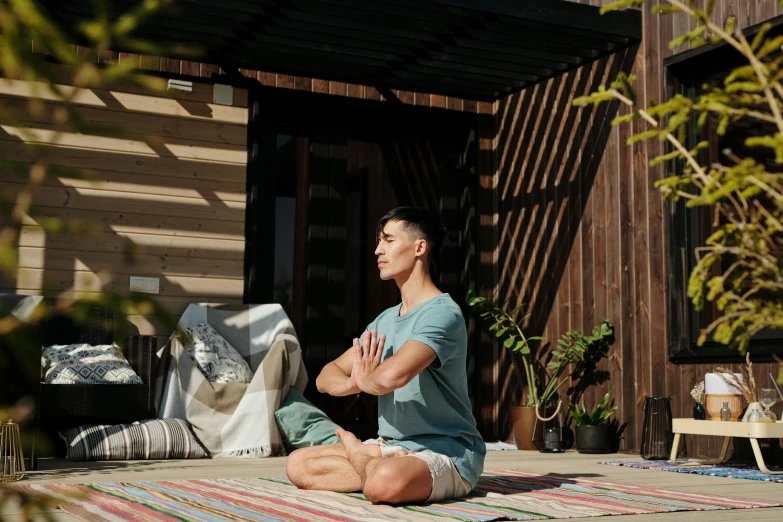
[(335, 377), (378, 378)]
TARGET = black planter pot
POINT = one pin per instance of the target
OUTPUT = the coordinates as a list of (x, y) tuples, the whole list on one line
[(593, 439)]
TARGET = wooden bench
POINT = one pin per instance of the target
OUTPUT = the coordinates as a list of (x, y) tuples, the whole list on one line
[(726, 429)]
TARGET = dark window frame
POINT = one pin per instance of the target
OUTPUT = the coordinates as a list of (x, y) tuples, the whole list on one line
[(683, 74)]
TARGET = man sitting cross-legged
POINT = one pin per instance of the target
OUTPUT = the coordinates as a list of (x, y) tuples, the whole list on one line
[(413, 356)]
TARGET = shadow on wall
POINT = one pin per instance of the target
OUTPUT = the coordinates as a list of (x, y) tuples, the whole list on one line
[(172, 192), (548, 152)]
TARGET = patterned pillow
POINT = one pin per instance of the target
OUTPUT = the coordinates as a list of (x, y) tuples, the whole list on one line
[(215, 357), (86, 364), (148, 439)]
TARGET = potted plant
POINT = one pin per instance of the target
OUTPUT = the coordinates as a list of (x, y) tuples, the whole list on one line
[(543, 372), (593, 434)]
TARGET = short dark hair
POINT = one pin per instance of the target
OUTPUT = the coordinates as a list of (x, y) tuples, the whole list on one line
[(420, 223)]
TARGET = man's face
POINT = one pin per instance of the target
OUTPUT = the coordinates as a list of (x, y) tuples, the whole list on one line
[(396, 250)]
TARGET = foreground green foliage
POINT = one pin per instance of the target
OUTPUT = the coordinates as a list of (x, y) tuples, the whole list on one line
[(740, 266), (30, 43)]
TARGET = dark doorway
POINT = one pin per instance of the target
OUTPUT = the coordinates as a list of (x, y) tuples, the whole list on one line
[(322, 170)]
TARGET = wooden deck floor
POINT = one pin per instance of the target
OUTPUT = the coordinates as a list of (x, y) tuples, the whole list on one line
[(570, 464)]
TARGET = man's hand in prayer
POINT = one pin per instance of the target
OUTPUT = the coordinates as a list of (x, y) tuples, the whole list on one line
[(366, 357)]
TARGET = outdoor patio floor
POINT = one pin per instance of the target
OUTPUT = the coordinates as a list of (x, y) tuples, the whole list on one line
[(570, 464)]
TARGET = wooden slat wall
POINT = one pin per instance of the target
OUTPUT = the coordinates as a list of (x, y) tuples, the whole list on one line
[(601, 227), (181, 201), (173, 190)]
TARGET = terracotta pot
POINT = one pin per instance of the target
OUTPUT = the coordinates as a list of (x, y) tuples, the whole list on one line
[(523, 420)]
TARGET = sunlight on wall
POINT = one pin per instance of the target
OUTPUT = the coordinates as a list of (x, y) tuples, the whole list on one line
[(35, 283), (82, 141), (86, 280), (192, 152), (124, 230), (146, 198), (193, 243), (27, 89), (124, 188), (169, 195), (171, 107)]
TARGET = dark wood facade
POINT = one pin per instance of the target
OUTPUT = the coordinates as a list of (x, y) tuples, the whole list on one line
[(582, 230), (567, 218)]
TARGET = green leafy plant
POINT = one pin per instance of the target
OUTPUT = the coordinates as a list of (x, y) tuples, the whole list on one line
[(740, 266), (600, 413), (577, 349), (509, 331), (573, 348)]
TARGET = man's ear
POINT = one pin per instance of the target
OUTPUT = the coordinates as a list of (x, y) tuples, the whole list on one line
[(421, 247)]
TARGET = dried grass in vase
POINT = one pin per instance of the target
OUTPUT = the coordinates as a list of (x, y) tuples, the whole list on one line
[(748, 384), (698, 392)]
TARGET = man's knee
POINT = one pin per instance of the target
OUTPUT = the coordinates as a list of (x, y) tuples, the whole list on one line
[(387, 484), (384, 485), (296, 468)]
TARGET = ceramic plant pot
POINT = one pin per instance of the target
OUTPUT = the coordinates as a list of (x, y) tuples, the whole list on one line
[(523, 422), (593, 439)]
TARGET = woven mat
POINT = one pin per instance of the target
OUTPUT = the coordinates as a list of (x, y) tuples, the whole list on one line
[(739, 471), (500, 495)]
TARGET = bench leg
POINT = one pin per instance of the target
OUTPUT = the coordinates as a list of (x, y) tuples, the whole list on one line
[(675, 447), (724, 451), (760, 458)]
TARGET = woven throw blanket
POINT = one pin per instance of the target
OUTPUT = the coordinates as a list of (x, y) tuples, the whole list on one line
[(235, 419), (499, 495)]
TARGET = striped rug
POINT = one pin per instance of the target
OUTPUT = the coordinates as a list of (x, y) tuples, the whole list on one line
[(500, 495)]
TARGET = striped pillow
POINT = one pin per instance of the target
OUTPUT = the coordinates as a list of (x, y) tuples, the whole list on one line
[(148, 439)]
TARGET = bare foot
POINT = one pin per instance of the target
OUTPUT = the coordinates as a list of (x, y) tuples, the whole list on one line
[(354, 447), (403, 453)]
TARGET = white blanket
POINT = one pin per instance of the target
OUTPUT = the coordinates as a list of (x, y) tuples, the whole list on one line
[(235, 419)]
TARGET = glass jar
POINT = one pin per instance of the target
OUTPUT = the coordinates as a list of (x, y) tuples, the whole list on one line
[(699, 413), (754, 414), (725, 412)]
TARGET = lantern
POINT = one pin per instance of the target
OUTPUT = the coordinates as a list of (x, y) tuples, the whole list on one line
[(11, 458)]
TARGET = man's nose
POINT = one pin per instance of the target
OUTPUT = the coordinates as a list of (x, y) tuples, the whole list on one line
[(378, 250)]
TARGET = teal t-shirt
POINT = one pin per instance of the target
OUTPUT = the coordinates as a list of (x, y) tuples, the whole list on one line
[(433, 410)]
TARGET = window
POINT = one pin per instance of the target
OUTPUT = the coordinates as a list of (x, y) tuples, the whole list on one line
[(685, 74)]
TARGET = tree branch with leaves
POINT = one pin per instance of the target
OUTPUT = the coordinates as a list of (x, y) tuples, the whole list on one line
[(740, 266)]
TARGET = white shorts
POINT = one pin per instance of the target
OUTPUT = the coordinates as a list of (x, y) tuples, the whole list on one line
[(447, 483)]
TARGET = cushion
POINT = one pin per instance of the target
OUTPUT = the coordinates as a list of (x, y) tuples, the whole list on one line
[(302, 424), (215, 357), (86, 364), (148, 439)]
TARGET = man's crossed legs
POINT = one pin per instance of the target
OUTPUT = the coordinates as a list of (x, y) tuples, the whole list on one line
[(382, 474)]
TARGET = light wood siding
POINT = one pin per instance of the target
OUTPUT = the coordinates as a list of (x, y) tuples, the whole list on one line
[(581, 227), (171, 190)]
